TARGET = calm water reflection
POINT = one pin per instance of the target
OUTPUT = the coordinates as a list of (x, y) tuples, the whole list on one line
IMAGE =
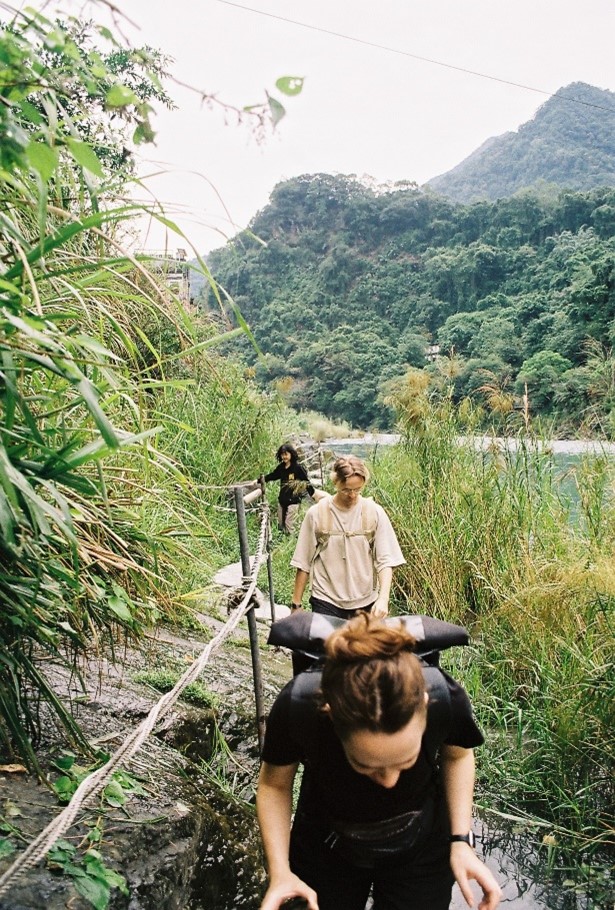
[(521, 865)]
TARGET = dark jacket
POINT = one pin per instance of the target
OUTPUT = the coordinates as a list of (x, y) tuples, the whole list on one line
[(294, 483)]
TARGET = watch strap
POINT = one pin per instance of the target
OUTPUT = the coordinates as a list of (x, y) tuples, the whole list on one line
[(464, 838)]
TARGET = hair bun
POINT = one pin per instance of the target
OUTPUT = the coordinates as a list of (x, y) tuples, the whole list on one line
[(366, 637)]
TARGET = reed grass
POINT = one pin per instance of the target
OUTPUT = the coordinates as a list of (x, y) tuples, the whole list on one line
[(100, 367), (491, 542)]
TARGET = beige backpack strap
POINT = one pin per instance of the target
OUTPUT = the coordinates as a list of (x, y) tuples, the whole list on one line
[(324, 519), (322, 528), (369, 517)]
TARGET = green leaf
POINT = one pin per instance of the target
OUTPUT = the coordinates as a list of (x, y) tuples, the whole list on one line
[(43, 159), (94, 836), (30, 112), (96, 868), (6, 847), (120, 96), (90, 397), (94, 890), (64, 788), (114, 794), (290, 85), (64, 762), (120, 608), (276, 109), (104, 32), (85, 156), (61, 852), (55, 40), (143, 133)]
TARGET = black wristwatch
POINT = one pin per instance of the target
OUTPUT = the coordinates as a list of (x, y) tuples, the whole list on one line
[(464, 839), (296, 607)]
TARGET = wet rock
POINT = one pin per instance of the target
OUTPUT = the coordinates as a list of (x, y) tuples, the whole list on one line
[(191, 732), (183, 842)]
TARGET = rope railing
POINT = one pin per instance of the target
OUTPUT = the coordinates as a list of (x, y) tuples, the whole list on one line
[(98, 779)]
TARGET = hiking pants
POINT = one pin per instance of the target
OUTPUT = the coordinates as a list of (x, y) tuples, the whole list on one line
[(287, 517), (419, 880)]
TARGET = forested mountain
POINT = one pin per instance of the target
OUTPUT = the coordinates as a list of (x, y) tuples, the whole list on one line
[(346, 287), (570, 143)]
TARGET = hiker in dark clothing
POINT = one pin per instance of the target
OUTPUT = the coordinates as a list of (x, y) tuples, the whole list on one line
[(294, 484), (388, 779)]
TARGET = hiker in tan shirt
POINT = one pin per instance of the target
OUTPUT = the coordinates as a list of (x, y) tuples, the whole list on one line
[(347, 549)]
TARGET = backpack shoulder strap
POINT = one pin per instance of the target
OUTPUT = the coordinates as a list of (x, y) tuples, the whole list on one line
[(324, 520), (369, 515), (438, 710), (369, 518), (322, 528), (303, 709)]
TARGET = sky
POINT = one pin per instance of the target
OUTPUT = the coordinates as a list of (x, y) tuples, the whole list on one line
[(364, 110)]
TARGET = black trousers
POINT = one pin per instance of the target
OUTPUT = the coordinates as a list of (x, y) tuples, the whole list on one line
[(419, 880)]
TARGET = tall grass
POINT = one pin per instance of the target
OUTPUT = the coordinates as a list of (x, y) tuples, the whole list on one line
[(491, 542), (97, 365)]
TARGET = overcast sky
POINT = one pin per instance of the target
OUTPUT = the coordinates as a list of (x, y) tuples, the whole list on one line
[(363, 110)]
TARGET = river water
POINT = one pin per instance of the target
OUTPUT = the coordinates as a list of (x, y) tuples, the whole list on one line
[(370, 441), (532, 875)]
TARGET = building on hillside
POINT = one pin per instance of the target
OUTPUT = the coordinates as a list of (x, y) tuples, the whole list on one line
[(173, 268)]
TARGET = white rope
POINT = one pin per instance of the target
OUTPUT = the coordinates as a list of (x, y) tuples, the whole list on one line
[(96, 781)]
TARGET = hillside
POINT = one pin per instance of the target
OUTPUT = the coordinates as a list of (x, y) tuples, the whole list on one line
[(570, 143), (346, 287)]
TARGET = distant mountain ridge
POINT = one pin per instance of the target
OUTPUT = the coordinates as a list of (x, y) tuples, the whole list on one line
[(570, 142)]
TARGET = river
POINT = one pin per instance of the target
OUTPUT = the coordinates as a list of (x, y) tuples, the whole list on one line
[(370, 441)]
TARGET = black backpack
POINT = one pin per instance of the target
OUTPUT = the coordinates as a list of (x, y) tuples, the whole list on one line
[(306, 632)]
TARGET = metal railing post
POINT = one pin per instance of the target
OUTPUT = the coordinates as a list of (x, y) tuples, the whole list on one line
[(261, 481), (244, 550)]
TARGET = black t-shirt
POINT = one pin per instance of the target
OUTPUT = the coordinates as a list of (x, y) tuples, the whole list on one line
[(294, 481), (331, 788)]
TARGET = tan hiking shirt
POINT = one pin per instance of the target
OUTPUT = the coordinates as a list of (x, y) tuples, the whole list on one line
[(345, 571)]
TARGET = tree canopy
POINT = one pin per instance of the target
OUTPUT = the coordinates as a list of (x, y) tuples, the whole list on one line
[(569, 143), (346, 288)]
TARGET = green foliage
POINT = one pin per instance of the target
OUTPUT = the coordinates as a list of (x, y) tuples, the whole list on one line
[(165, 678), (69, 102), (92, 879), (89, 342), (492, 541), (348, 286), (568, 143)]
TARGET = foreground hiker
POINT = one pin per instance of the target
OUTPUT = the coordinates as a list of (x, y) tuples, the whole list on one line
[(347, 549), (386, 796)]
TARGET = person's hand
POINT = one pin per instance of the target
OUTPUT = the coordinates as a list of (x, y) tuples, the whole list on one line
[(380, 608), (285, 888), (466, 866)]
